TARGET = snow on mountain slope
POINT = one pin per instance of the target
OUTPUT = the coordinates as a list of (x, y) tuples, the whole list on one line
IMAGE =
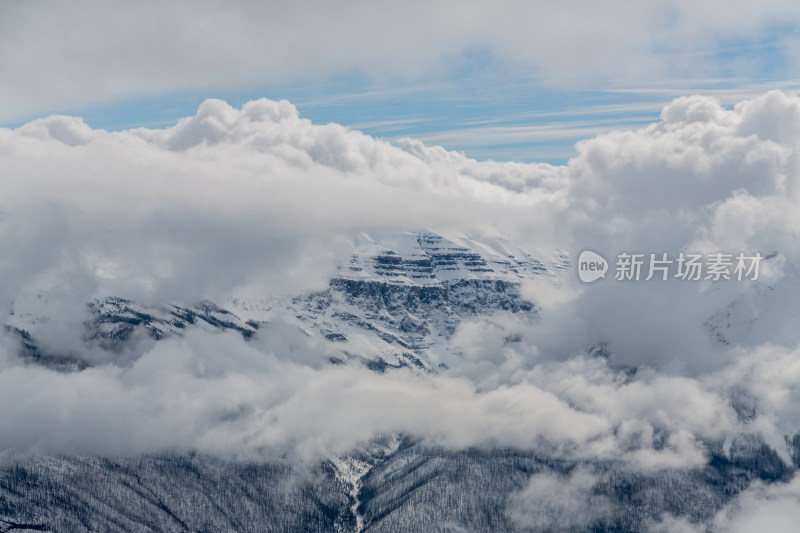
[(768, 314), (401, 296), (395, 303), (425, 258), (391, 485)]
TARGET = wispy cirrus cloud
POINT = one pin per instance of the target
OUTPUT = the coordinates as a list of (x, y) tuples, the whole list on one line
[(362, 63)]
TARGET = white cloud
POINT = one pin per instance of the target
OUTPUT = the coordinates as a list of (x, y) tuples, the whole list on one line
[(260, 199), (762, 508), (58, 55), (554, 503)]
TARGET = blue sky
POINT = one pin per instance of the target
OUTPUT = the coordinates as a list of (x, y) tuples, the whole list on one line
[(493, 91)]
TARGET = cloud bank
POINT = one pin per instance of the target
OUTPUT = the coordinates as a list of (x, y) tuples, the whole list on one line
[(260, 201)]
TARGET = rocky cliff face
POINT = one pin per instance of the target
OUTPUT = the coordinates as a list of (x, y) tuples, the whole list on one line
[(400, 298)]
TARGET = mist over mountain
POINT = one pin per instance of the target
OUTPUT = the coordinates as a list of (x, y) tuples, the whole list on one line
[(247, 319)]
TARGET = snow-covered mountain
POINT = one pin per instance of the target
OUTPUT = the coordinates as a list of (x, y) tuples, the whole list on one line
[(392, 485), (400, 296), (392, 305), (397, 302)]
